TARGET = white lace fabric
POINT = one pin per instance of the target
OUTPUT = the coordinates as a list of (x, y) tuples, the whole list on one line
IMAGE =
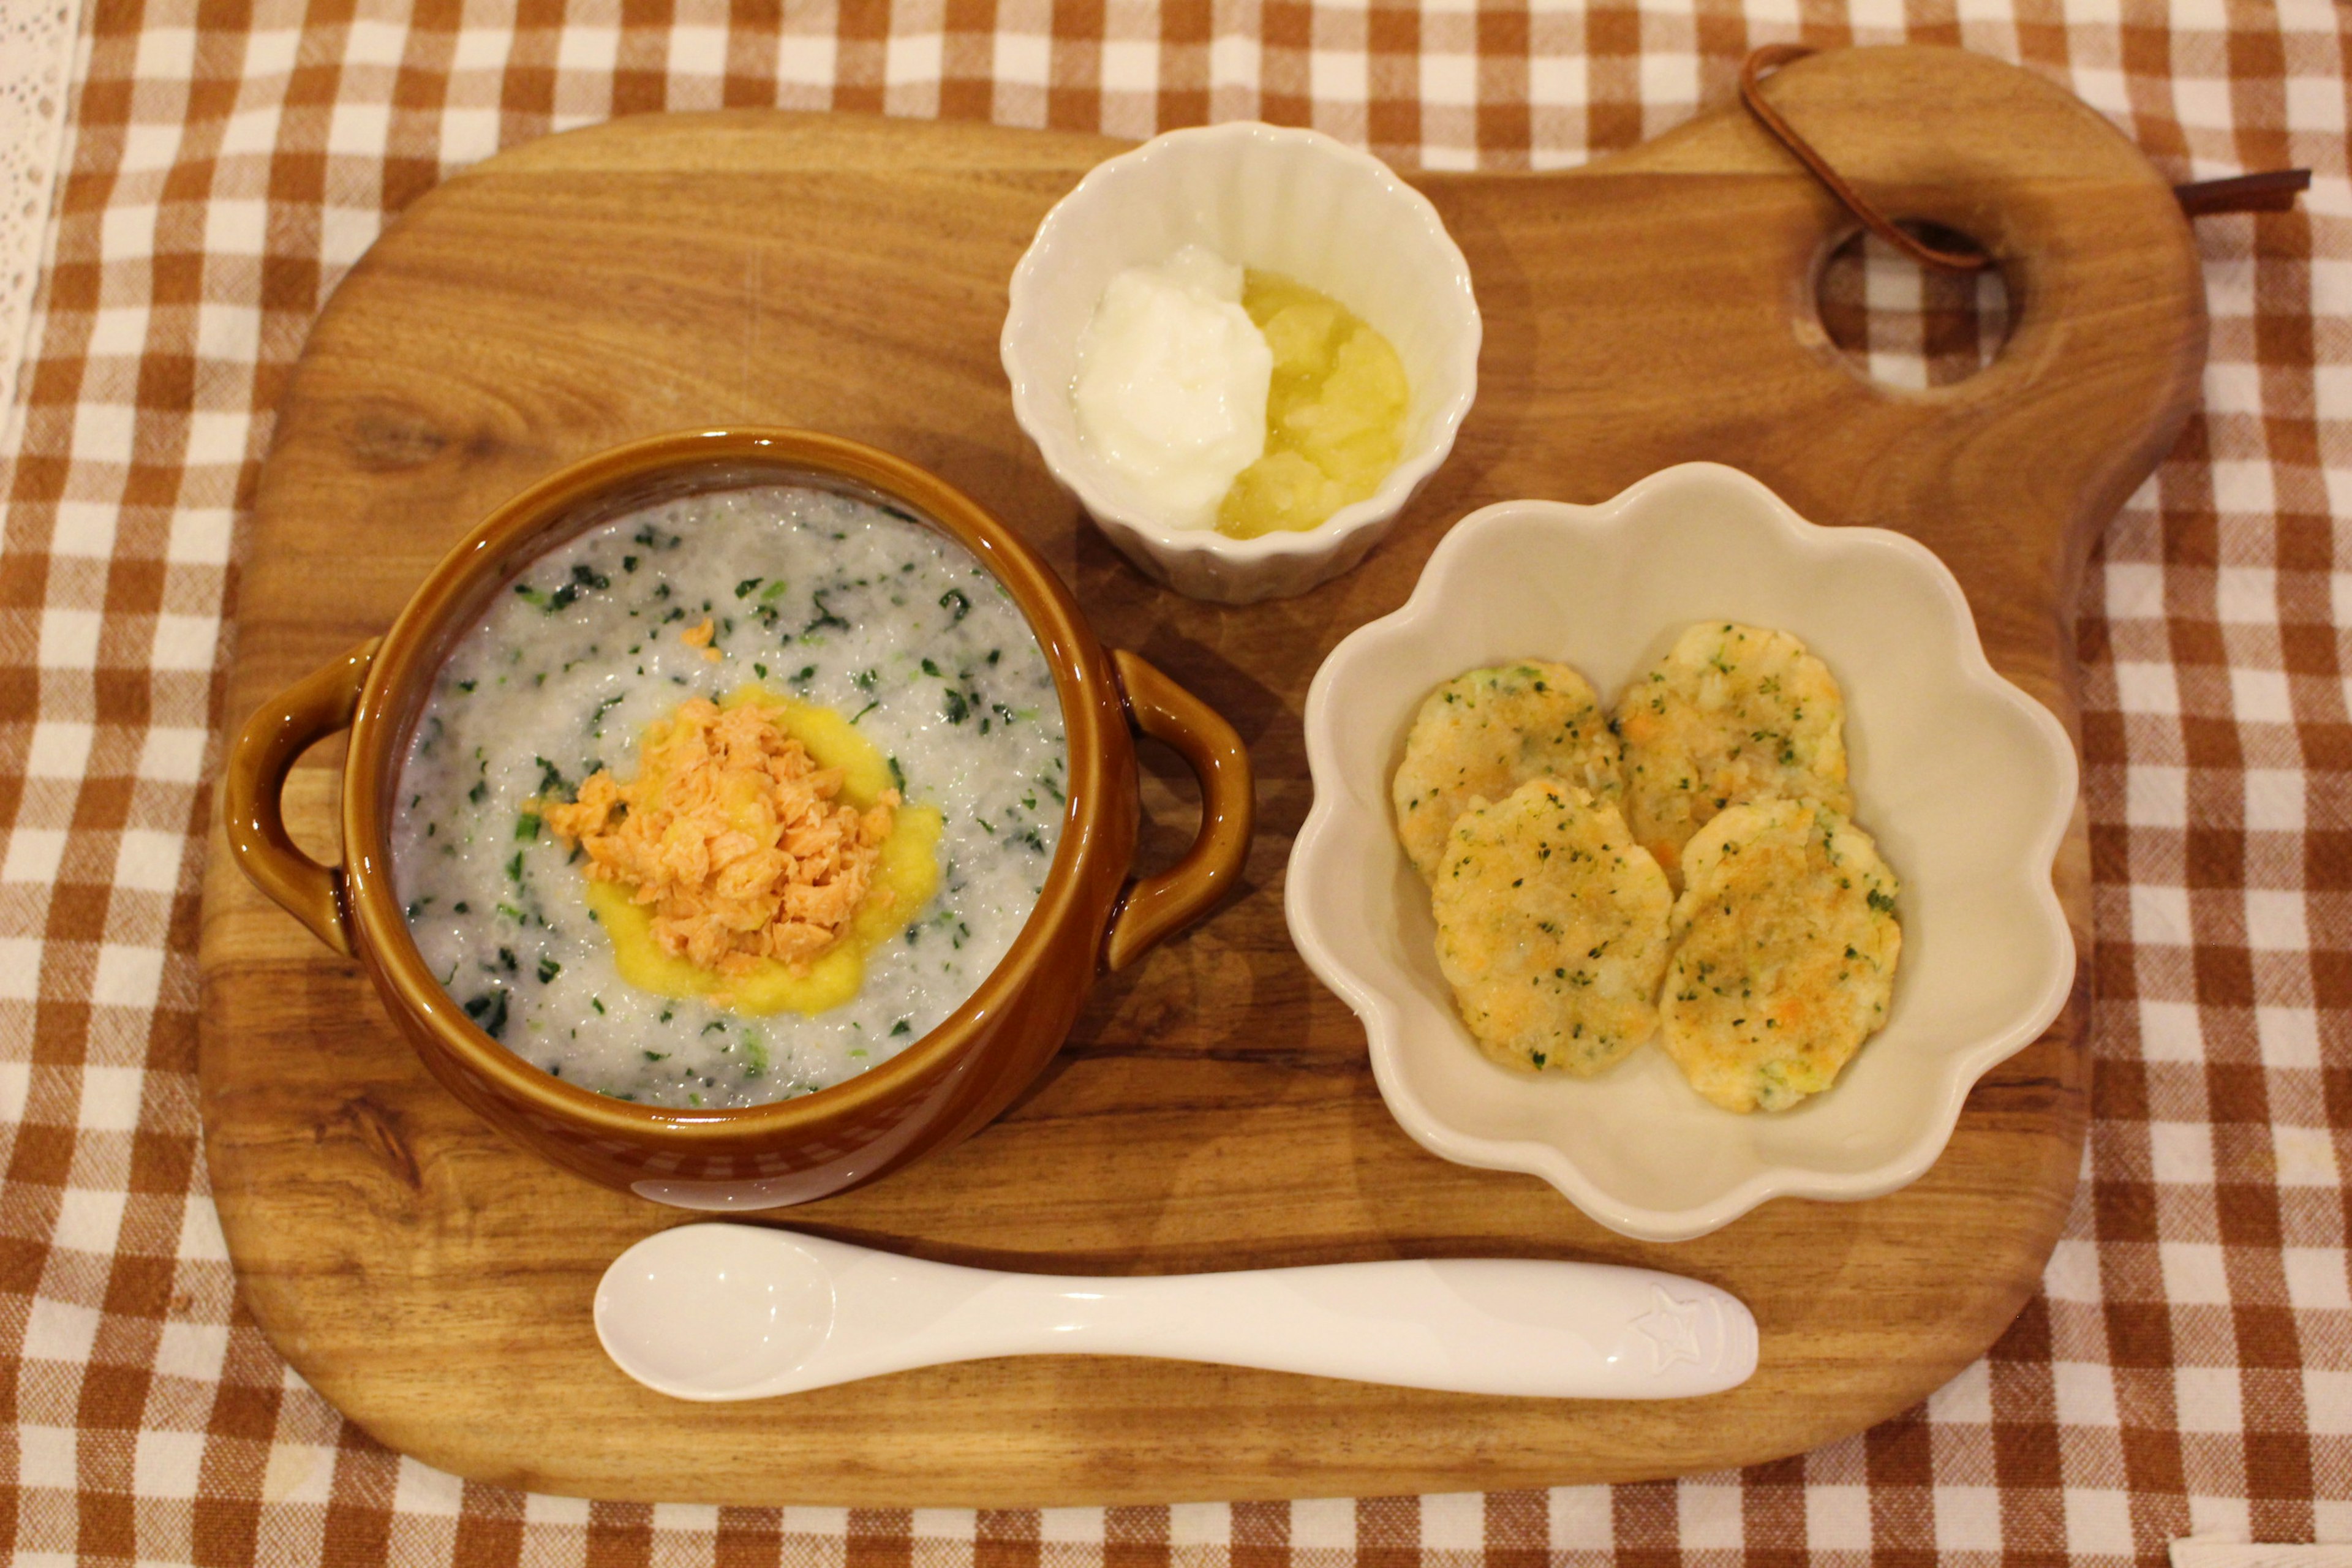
[(37, 52)]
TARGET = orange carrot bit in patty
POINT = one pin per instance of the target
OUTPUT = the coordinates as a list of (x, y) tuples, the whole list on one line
[(733, 835)]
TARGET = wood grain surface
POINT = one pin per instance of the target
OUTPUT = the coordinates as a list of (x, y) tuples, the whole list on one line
[(1214, 1108)]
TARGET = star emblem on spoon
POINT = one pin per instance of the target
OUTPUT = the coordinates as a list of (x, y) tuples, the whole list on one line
[(1672, 1329)]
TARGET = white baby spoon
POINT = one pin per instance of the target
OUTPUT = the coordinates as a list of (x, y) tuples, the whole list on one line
[(738, 1311)]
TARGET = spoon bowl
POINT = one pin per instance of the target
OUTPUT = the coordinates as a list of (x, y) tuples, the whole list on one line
[(740, 1306), (737, 1312)]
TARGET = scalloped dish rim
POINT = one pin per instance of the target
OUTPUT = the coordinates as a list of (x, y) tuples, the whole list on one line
[(1329, 829)]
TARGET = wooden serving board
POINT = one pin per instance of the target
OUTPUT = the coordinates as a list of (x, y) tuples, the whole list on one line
[(1214, 1108)]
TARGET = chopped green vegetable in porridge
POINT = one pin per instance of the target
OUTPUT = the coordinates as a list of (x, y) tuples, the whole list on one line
[(813, 596)]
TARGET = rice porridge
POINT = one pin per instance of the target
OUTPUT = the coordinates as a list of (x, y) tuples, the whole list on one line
[(880, 638)]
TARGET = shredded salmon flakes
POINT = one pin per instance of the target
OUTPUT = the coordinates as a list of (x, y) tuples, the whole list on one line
[(734, 837), (699, 636)]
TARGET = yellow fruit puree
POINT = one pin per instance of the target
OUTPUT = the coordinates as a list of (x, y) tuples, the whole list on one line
[(1334, 415)]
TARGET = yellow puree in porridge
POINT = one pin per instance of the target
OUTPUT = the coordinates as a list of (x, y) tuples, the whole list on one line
[(678, 868), (1334, 414)]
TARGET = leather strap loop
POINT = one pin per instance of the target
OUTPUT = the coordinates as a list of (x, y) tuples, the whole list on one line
[(2272, 191), (1772, 56)]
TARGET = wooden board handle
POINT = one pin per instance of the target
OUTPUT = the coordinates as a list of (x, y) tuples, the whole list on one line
[(273, 739), (1155, 907)]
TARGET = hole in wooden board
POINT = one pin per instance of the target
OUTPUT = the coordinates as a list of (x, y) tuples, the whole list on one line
[(1904, 325)]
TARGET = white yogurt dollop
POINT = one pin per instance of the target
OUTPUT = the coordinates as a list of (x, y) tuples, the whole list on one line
[(1171, 385)]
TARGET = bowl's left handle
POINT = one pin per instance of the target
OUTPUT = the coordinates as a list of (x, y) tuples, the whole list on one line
[(277, 735), (1157, 907)]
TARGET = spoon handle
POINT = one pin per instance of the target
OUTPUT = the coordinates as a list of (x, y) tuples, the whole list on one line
[(1507, 1326)]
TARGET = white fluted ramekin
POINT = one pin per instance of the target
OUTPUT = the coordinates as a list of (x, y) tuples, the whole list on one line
[(1289, 201), (1966, 782)]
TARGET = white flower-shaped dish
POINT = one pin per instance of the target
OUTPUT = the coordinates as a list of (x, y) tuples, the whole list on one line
[(1285, 200), (1966, 782)]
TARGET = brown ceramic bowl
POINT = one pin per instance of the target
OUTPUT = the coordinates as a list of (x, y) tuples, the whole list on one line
[(1092, 915)]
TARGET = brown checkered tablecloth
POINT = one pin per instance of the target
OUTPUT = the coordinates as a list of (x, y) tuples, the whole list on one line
[(2187, 1364)]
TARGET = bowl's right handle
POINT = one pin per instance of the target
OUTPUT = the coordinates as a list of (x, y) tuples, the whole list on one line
[(1155, 907), (272, 740)]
